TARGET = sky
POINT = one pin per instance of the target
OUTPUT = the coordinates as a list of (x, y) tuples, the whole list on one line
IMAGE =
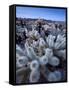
[(45, 13)]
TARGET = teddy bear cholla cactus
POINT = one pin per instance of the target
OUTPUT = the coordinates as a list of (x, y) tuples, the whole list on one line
[(52, 46)]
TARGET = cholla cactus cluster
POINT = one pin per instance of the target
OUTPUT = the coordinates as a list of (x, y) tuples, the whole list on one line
[(40, 58)]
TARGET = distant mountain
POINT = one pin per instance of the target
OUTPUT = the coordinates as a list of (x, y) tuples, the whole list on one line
[(30, 21)]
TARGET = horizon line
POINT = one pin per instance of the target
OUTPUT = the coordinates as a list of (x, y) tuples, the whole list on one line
[(40, 18)]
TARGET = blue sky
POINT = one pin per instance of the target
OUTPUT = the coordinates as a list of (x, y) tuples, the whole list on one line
[(46, 13)]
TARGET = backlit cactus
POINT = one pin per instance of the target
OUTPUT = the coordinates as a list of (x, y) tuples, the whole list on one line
[(42, 57)]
